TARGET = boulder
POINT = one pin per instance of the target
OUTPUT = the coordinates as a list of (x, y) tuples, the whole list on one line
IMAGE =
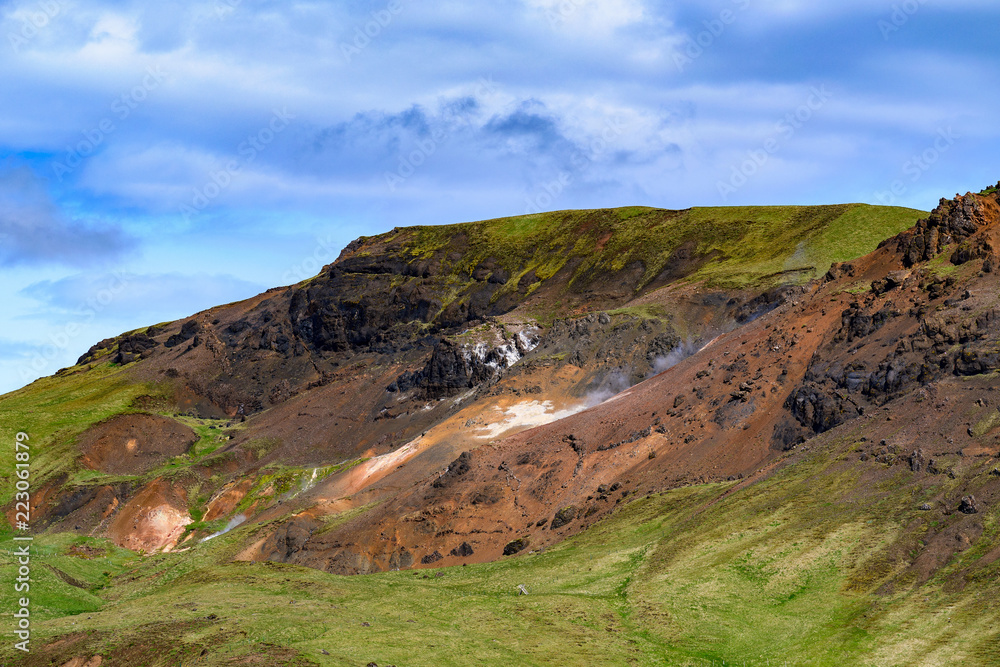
[(463, 550), (515, 546), (564, 516), (968, 505)]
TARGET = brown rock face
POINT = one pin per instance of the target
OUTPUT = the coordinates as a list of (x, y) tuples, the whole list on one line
[(134, 444), (877, 331)]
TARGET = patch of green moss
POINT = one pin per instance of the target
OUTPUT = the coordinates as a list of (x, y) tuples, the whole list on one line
[(987, 423), (261, 447), (283, 481), (745, 245)]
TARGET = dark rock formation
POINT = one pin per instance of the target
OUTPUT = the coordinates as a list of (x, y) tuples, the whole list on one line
[(817, 409), (288, 539), (454, 367), (564, 516), (458, 467), (131, 348), (856, 323), (968, 505), (976, 362), (463, 550), (188, 331), (952, 221), (515, 546)]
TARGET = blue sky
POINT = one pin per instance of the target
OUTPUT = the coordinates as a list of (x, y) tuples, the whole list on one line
[(160, 158)]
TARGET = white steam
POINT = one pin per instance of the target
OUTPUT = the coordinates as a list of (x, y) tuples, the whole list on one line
[(235, 521), (686, 349), (613, 383), (619, 379)]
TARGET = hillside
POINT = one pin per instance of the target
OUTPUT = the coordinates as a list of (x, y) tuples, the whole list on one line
[(378, 355), (716, 434)]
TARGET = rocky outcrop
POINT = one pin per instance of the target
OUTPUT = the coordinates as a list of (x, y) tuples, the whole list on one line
[(835, 392), (952, 221), (351, 312), (976, 362), (968, 505), (819, 410), (564, 516), (458, 467), (515, 546), (454, 366), (431, 558), (855, 323), (621, 347), (189, 330), (381, 301), (127, 348), (932, 335), (134, 347)]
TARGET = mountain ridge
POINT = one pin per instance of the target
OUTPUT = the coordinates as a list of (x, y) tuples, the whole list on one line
[(428, 313), (423, 430)]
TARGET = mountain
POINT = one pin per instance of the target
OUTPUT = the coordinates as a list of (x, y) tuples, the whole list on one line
[(740, 434)]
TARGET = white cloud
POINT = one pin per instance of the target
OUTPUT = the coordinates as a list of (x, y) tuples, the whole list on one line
[(593, 16), (33, 230)]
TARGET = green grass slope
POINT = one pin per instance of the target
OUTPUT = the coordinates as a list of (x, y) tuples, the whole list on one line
[(54, 411), (748, 245), (807, 567)]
